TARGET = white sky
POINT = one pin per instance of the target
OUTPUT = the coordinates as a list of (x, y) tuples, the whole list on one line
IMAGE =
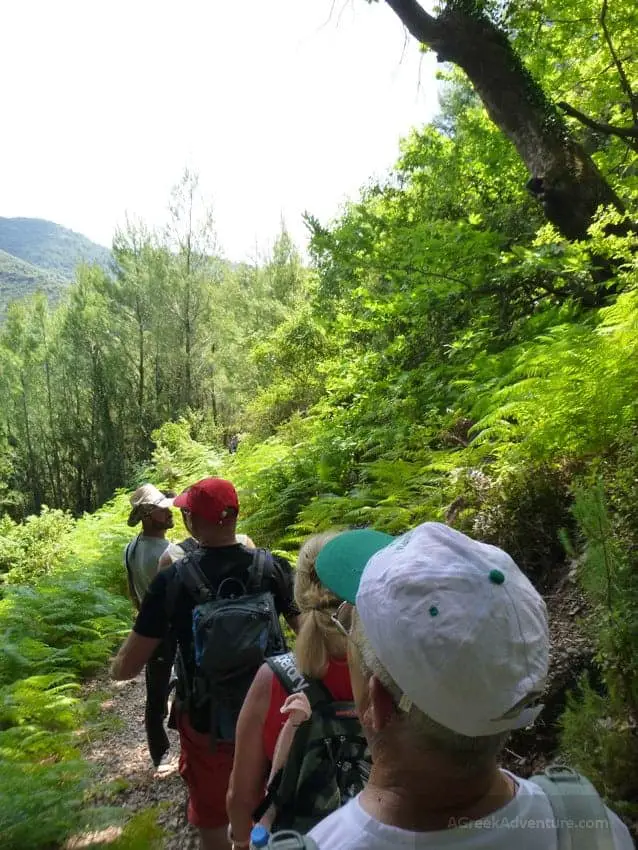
[(280, 105)]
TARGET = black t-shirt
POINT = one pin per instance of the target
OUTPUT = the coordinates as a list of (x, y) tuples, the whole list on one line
[(217, 565)]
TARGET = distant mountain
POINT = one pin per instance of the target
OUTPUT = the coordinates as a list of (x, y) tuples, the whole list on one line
[(18, 278), (37, 254)]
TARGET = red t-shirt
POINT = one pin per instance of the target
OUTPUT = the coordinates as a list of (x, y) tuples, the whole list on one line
[(337, 680)]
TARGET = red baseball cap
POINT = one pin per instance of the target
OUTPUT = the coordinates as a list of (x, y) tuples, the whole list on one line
[(210, 498)]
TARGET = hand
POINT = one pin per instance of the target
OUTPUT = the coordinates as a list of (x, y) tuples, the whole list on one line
[(234, 844)]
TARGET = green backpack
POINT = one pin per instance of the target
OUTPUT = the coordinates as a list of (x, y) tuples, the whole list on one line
[(329, 760), (580, 816)]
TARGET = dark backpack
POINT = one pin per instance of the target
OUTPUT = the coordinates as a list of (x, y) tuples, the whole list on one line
[(329, 760), (234, 630)]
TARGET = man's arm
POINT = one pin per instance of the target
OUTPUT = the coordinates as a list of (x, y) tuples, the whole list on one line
[(133, 655), (151, 627), (294, 621), (284, 592), (250, 765)]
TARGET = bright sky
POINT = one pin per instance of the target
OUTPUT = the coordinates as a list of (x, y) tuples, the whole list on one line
[(280, 105)]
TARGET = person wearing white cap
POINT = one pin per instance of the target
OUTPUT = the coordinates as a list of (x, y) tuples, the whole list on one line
[(151, 507), (448, 652)]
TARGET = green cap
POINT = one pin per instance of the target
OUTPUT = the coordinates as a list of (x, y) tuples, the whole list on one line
[(342, 560)]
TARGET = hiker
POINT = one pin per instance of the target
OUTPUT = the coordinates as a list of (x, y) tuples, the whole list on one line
[(223, 602), (151, 507), (320, 657), (448, 651)]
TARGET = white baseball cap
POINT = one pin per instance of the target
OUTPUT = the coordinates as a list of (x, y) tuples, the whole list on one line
[(146, 497), (457, 625)]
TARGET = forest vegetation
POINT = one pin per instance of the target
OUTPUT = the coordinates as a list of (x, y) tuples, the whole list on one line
[(462, 346)]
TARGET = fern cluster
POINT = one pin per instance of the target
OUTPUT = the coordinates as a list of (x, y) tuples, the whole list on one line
[(62, 613), (599, 728)]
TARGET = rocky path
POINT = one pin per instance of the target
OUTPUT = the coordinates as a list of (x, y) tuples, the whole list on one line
[(125, 775)]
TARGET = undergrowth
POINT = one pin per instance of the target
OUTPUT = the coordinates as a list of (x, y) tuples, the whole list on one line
[(62, 613)]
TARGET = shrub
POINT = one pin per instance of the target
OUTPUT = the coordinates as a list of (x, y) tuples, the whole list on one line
[(35, 547), (597, 740), (524, 512), (599, 729)]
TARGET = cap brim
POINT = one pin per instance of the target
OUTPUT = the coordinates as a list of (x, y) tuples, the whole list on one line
[(341, 562), (181, 501)]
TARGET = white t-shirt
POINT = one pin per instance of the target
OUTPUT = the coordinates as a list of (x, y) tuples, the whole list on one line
[(176, 552), (525, 823), (143, 555)]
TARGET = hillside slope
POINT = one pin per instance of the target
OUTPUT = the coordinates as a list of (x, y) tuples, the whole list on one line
[(49, 245), (40, 255), (19, 278)]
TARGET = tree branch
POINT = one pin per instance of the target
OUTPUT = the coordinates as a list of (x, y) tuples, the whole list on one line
[(629, 134), (624, 81), (415, 19)]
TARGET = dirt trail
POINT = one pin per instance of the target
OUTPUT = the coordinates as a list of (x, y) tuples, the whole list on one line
[(125, 773)]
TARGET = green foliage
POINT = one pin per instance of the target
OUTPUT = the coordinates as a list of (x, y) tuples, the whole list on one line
[(142, 832), (19, 279), (178, 458), (599, 729), (608, 576), (447, 358), (62, 625), (168, 336), (600, 743), (34, 548), (525, 511), (57, 629), (39, 802)]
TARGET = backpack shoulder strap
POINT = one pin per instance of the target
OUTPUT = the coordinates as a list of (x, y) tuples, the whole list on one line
[(194, 580), (189, 545), (285, 668), (257, 569), (579, 812), (128, 551)]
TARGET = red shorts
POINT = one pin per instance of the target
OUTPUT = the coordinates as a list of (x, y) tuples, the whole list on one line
[(206, 774)]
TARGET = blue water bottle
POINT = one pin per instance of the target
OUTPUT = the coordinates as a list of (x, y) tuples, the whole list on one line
[(259, 838)]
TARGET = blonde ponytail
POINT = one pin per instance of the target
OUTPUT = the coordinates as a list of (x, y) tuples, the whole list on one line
[(319, 639)]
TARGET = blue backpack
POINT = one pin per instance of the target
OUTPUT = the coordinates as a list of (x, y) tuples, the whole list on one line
[(235, 629)]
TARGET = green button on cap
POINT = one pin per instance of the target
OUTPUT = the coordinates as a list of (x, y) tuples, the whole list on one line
[(496, 577)]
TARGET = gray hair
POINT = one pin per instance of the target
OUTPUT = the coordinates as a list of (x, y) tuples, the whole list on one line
[(466, 756)]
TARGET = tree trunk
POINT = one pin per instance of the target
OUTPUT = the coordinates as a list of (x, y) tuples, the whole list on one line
[(562, 176), (33, 474), (56, 475), (140, 366)]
